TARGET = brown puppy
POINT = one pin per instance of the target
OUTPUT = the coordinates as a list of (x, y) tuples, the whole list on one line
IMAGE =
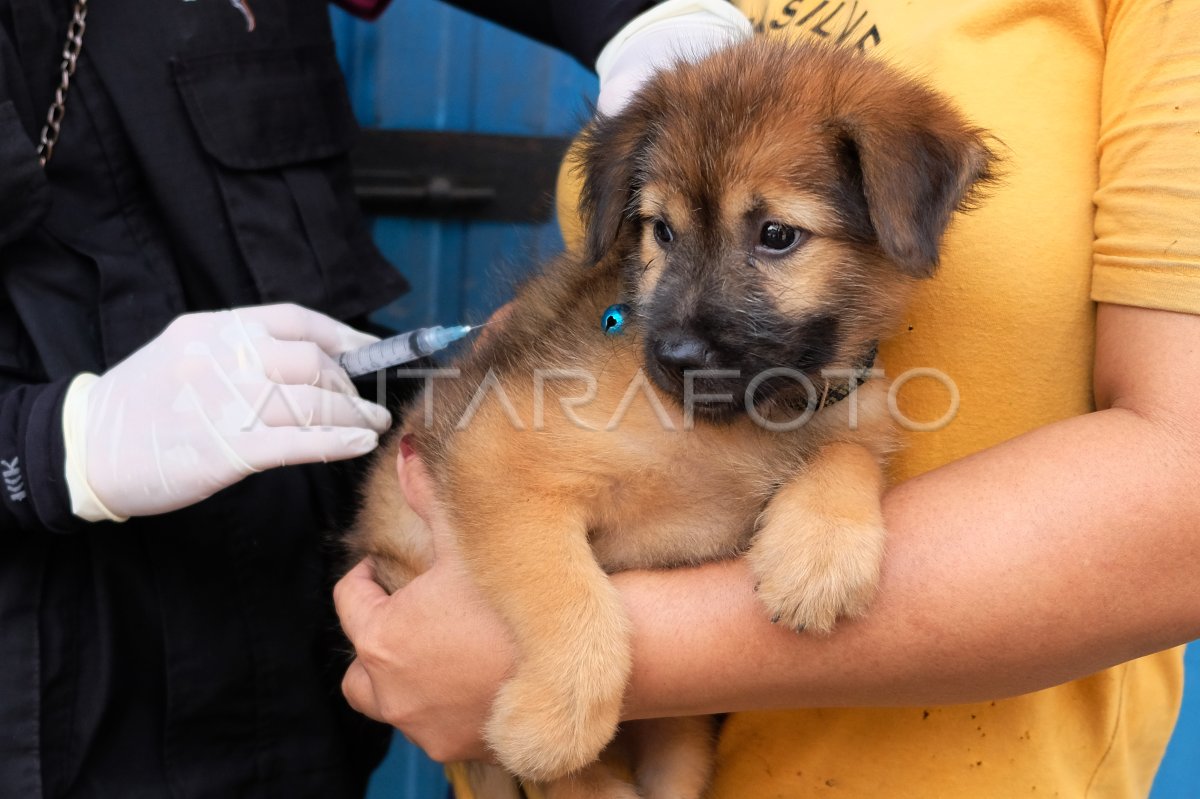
[(763, 216)]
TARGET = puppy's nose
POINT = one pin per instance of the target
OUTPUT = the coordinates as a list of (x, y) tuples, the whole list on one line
[(679, 352)]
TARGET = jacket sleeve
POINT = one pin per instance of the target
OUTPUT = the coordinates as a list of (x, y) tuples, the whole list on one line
[(579, 27), (33, 490)]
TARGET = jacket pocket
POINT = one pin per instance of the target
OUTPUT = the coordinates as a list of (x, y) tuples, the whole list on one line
[(277, 126), (266, 109)]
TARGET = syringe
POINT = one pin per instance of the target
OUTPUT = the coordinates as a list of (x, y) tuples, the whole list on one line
[(400, 349)]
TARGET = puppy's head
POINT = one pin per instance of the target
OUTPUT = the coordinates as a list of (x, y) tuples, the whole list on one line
[(771, 207)]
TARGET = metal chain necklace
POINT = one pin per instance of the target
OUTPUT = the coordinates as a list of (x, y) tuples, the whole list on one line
[(70, 55)]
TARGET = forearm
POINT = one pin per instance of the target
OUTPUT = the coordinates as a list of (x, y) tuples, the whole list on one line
[(1059, 553), (1066, 550), (579, 28)]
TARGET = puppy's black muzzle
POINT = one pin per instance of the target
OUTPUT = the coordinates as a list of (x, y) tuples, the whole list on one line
[(690, 369), (676, 352)]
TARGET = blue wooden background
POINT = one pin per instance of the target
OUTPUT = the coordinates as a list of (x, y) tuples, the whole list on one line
[(427, 66)]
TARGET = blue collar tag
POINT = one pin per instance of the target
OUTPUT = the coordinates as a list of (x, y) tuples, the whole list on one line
[(612, 322)]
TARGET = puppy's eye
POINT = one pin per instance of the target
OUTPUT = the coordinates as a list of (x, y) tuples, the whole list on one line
[(662, 232), (778, 237)]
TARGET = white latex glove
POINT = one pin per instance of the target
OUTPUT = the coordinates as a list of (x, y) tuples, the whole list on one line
[(678, 30), (214, 398)]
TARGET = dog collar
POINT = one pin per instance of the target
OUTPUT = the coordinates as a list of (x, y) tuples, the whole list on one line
[(837, 390)]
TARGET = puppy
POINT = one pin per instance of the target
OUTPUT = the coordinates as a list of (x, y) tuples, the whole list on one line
[(696, 385)]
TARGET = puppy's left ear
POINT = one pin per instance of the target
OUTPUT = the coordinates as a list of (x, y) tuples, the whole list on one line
[(613, 151), (918, 162)]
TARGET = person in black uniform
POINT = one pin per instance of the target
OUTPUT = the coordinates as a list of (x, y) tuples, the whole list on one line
[(165, 624)]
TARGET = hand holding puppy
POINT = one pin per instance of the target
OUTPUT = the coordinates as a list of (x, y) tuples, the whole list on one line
[(430, 657)]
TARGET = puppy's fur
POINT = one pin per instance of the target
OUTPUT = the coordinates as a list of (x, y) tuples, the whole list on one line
[(770, 207)]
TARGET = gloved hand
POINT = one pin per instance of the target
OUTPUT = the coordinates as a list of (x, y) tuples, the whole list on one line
[(214, 398), (676, 30)]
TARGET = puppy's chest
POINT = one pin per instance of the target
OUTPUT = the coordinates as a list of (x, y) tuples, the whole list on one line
[(689, 503), (658, 488)]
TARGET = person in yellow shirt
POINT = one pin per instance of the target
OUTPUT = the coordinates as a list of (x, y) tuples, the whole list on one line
[(1041, 545)]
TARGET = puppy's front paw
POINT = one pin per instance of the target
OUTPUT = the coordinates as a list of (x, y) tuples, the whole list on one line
[(826, 570), (543, 729), (819, 546)]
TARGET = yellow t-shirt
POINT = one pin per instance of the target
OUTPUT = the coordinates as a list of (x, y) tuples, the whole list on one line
[(1098, 110)]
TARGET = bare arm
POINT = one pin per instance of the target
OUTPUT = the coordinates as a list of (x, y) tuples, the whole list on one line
[(1054, 555)]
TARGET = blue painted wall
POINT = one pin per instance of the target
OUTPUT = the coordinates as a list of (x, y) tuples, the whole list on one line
[(425, 65), (1179, 777), (428, 66)]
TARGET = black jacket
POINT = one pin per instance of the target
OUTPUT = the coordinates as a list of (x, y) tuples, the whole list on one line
[(201, 165)]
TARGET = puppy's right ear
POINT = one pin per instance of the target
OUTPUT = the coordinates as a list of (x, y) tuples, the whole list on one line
[(612, 163)]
